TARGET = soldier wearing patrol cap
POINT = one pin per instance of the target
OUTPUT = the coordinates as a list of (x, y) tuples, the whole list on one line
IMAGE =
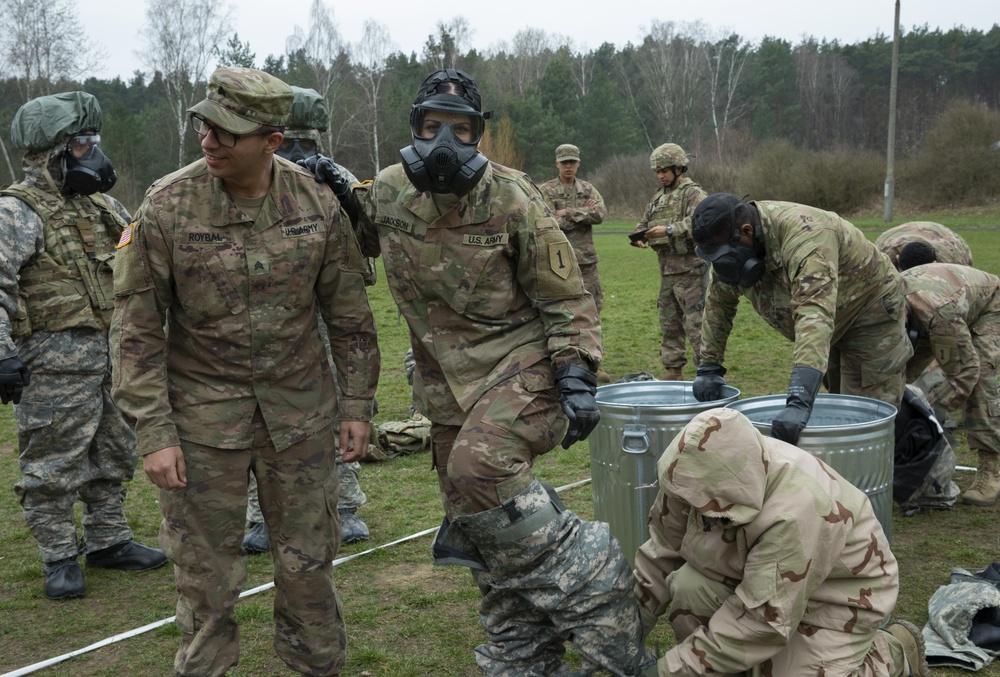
[(507, 343), (57, 235), (666, 228), (218, 358), (578, 207)]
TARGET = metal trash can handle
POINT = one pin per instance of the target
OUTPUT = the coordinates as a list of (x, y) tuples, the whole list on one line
[(634, 439)]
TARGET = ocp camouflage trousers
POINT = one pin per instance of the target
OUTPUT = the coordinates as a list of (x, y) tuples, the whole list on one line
[(592, 283), (351, 495), (681, 301), (202, 532)]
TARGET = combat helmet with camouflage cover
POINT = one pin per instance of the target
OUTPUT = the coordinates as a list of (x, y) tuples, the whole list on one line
[(668, 155)]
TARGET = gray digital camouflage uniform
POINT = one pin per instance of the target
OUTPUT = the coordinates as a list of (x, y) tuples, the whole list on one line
[(949, 246), (578, 224), (766, 559), (73, 442), (956, 311), (828, 289), (216, 348), (683, 276), (492, 294)]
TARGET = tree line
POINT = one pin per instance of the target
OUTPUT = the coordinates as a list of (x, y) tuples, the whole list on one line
[(714, 93)]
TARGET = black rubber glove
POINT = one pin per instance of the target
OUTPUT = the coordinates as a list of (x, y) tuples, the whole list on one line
[(802, 389), (577, 387), (325, 171), (14, 378), (708, 382)]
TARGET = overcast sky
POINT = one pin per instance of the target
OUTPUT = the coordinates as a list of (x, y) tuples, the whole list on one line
[(117, 25)]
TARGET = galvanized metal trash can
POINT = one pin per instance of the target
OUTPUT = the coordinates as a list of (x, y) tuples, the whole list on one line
[(856, 436), (638, 421)]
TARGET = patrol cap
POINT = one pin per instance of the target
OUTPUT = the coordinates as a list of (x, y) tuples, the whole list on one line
[(567, 151), (667, 155), (717, 214), (240, 100), (47, 120)]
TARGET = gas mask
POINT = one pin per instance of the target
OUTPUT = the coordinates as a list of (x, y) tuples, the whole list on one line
[(443, 163), (297, 150), (86, 169), (734, 263)]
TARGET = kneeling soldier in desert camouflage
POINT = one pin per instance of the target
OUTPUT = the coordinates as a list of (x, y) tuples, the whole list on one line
[(768, 561)]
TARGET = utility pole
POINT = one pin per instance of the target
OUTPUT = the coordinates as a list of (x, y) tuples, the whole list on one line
[(890, 179)]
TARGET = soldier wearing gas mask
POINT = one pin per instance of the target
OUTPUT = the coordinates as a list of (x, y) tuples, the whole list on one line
[(507, 342), (58, 233), (302, 144), (818, 281)]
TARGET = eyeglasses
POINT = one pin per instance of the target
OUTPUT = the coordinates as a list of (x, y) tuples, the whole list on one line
[(202, 127)]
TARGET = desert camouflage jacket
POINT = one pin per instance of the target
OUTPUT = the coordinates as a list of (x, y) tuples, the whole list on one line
[(821, 274), (579, 221), (488, 284), (949, 305), (949, 246), (797, 542), (673, 207), (215, 313)]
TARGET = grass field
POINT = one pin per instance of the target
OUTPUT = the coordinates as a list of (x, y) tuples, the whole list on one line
[(406, 617)]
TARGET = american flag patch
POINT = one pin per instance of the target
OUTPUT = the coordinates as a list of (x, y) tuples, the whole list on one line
[(126, 237)]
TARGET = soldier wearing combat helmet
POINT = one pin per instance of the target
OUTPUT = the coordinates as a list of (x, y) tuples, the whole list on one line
[(666, 228), (507, 342), (57, 244), (218, 358)]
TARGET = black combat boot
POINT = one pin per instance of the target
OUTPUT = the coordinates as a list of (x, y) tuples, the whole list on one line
[(352, 528), (127, 556), (258, 539), (64, 579)]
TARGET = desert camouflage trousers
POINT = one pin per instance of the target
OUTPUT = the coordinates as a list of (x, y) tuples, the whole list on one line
[(592, 283), (202, 533), (810, 650), (681, 301), (73, 445)]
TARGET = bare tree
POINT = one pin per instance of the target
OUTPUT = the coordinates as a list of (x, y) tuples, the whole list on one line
[(324, 50), (181, 38), (451, 42), (725, 60), (42, 43), (369, 56)]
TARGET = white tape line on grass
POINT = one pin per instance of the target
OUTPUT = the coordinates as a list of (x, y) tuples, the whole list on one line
[(246, 593)]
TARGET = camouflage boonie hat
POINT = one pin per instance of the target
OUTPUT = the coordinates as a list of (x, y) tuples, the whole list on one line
[(240, 100), (567, 151), (668, 155), (308, 110)]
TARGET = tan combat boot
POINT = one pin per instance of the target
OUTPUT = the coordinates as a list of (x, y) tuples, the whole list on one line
[(603, 376), (986, 485), (914, 650), (672, 375)]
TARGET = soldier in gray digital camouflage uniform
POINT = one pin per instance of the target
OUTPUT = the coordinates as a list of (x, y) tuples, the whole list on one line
[(766, 561), (949, 246), (954, 312), (218, 357), (301, 142), (818, 281), (506, 342), (57, 236), (666, 228)]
